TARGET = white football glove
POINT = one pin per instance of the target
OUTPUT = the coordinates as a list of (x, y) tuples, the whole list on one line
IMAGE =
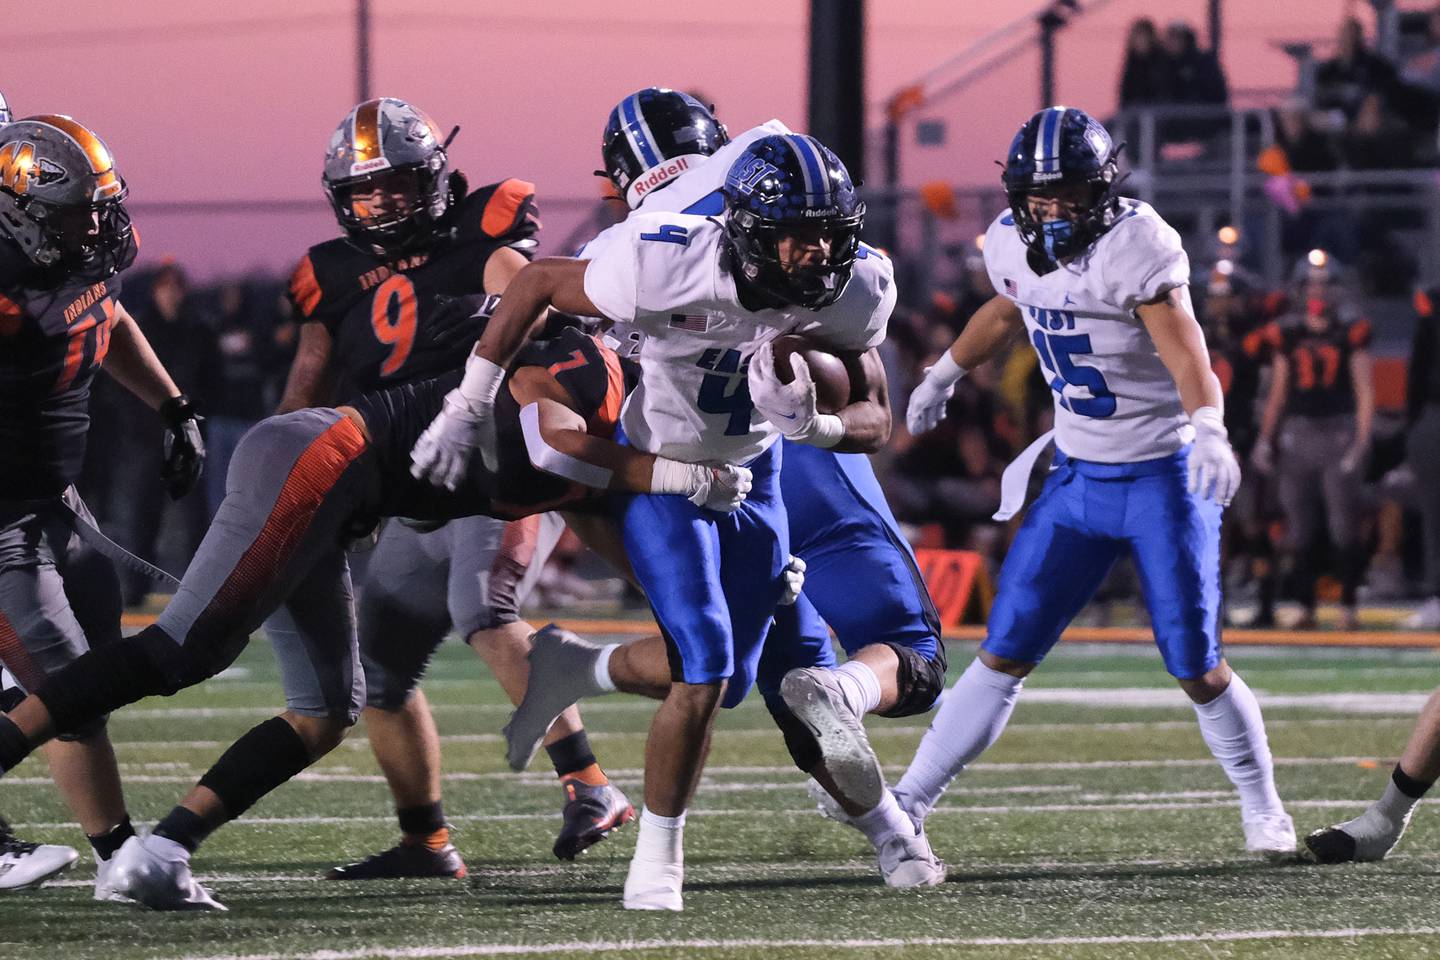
[(794, 577), (932, 394), (721, 488), (791, 407), (1214, 471), (466, 421)]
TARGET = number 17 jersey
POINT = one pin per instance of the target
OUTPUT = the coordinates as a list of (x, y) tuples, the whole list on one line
[(1115, 401)]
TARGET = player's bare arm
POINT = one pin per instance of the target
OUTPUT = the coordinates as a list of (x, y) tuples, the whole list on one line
[(867, 417), (991, 329), (311, 382), (133, 363), (550, 281), (1274, 409), (1214, 471), (1362, 377), (1181, 345)]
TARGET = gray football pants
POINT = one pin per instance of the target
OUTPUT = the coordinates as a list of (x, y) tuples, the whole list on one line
[(471, 574), (1310, 477), (295, 485), (57, 595), (1422, 448)]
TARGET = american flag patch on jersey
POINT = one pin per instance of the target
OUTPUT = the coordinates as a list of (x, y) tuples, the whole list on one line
[(1011, 289), (694, 322)]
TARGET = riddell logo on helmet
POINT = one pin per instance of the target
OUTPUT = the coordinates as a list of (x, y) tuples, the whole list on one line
[(368, 166), (661, 174)]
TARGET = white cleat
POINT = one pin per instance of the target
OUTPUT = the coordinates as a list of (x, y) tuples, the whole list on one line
[(105, 882), (1272, 835), (562, 672), (909, 862), (1370, 836), (654, 886), (1426, 618), (25, 865), (813, 695), (145, 873), (828, 806)]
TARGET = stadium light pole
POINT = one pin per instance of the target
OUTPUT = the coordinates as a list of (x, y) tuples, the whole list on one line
[(362, 50), (837, 79), (1215, 27)]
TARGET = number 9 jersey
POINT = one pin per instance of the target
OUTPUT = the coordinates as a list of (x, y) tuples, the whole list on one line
[(1115, 401), (398, 320)]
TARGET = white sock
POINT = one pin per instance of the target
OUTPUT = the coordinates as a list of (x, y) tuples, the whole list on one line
[(972, 717), (602, 668), (884, 821), (167, 849), (859, 685), (660, 839), (1394, 805), (1235, 733)]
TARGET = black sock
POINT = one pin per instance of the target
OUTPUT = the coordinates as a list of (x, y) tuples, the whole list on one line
[(107, 843), (1408, 785), (185, 827), (571, 754), (14, 745), (421, 821)]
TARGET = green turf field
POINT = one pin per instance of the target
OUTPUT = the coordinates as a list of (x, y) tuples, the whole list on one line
[(1097, 828)]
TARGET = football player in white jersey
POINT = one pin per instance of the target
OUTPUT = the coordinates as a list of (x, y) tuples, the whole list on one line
[(1098, 284), (862, 577), (708, 296)]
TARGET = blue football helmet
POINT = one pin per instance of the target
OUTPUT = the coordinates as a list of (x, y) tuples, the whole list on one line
[(649, 128), (1062, 147), (792, 185)]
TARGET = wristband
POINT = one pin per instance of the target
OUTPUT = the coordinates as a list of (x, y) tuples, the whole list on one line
[(826, 431), (481, 382), (673, 476), (1209, 419), (946, 371), (176, 410)]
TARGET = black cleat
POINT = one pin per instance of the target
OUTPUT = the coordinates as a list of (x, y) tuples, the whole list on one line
[(590, 814), (1331, 845), (404, 860)]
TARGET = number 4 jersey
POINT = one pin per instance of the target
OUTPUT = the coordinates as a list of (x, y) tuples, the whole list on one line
[(1115, 401), (398, 320), (667, 274)]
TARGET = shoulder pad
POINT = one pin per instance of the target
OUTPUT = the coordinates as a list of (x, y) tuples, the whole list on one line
[(325, 269), (503, 211)]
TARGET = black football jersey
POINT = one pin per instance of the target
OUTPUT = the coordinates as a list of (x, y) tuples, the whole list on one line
[(1320, 381), (52, 341), (394, 321), (595, 377)]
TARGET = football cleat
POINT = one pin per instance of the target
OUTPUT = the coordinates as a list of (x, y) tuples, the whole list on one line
[(1271, 835), (105, 883), (591, 812), (405, 860), (654, 886), (562, 672), (1368, 837), (813, 695), (908, 861), (146, 872), (25, 865), (828, 806)]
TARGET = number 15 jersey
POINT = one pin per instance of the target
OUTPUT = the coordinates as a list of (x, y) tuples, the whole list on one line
[(1115, 401)]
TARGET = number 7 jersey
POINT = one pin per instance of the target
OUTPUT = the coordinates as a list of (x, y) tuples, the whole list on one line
[(1115, 401)]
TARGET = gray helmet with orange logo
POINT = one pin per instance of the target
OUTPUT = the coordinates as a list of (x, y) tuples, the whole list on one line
[(61, 199), (387, 177)]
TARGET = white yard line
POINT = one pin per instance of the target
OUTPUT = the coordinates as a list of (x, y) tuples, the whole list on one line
[(582, 947)]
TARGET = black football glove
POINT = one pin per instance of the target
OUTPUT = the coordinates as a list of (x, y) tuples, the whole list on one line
[(184, 451)]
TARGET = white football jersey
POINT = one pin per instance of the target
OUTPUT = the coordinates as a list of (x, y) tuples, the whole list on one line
[(665, 273), (1115, 401), (696, 187)]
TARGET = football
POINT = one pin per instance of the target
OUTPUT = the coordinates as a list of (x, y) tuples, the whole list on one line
[(832, 379)]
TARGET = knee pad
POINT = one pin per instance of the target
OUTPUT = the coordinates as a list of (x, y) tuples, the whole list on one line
[(86, 730), (110, 676), (920, 680), (804, 748)]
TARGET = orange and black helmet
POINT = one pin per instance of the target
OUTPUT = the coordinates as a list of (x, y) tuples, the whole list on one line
[(387, 177), (61, 199)]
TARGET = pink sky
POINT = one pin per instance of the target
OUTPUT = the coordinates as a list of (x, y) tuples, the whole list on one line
[(206, 101)]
